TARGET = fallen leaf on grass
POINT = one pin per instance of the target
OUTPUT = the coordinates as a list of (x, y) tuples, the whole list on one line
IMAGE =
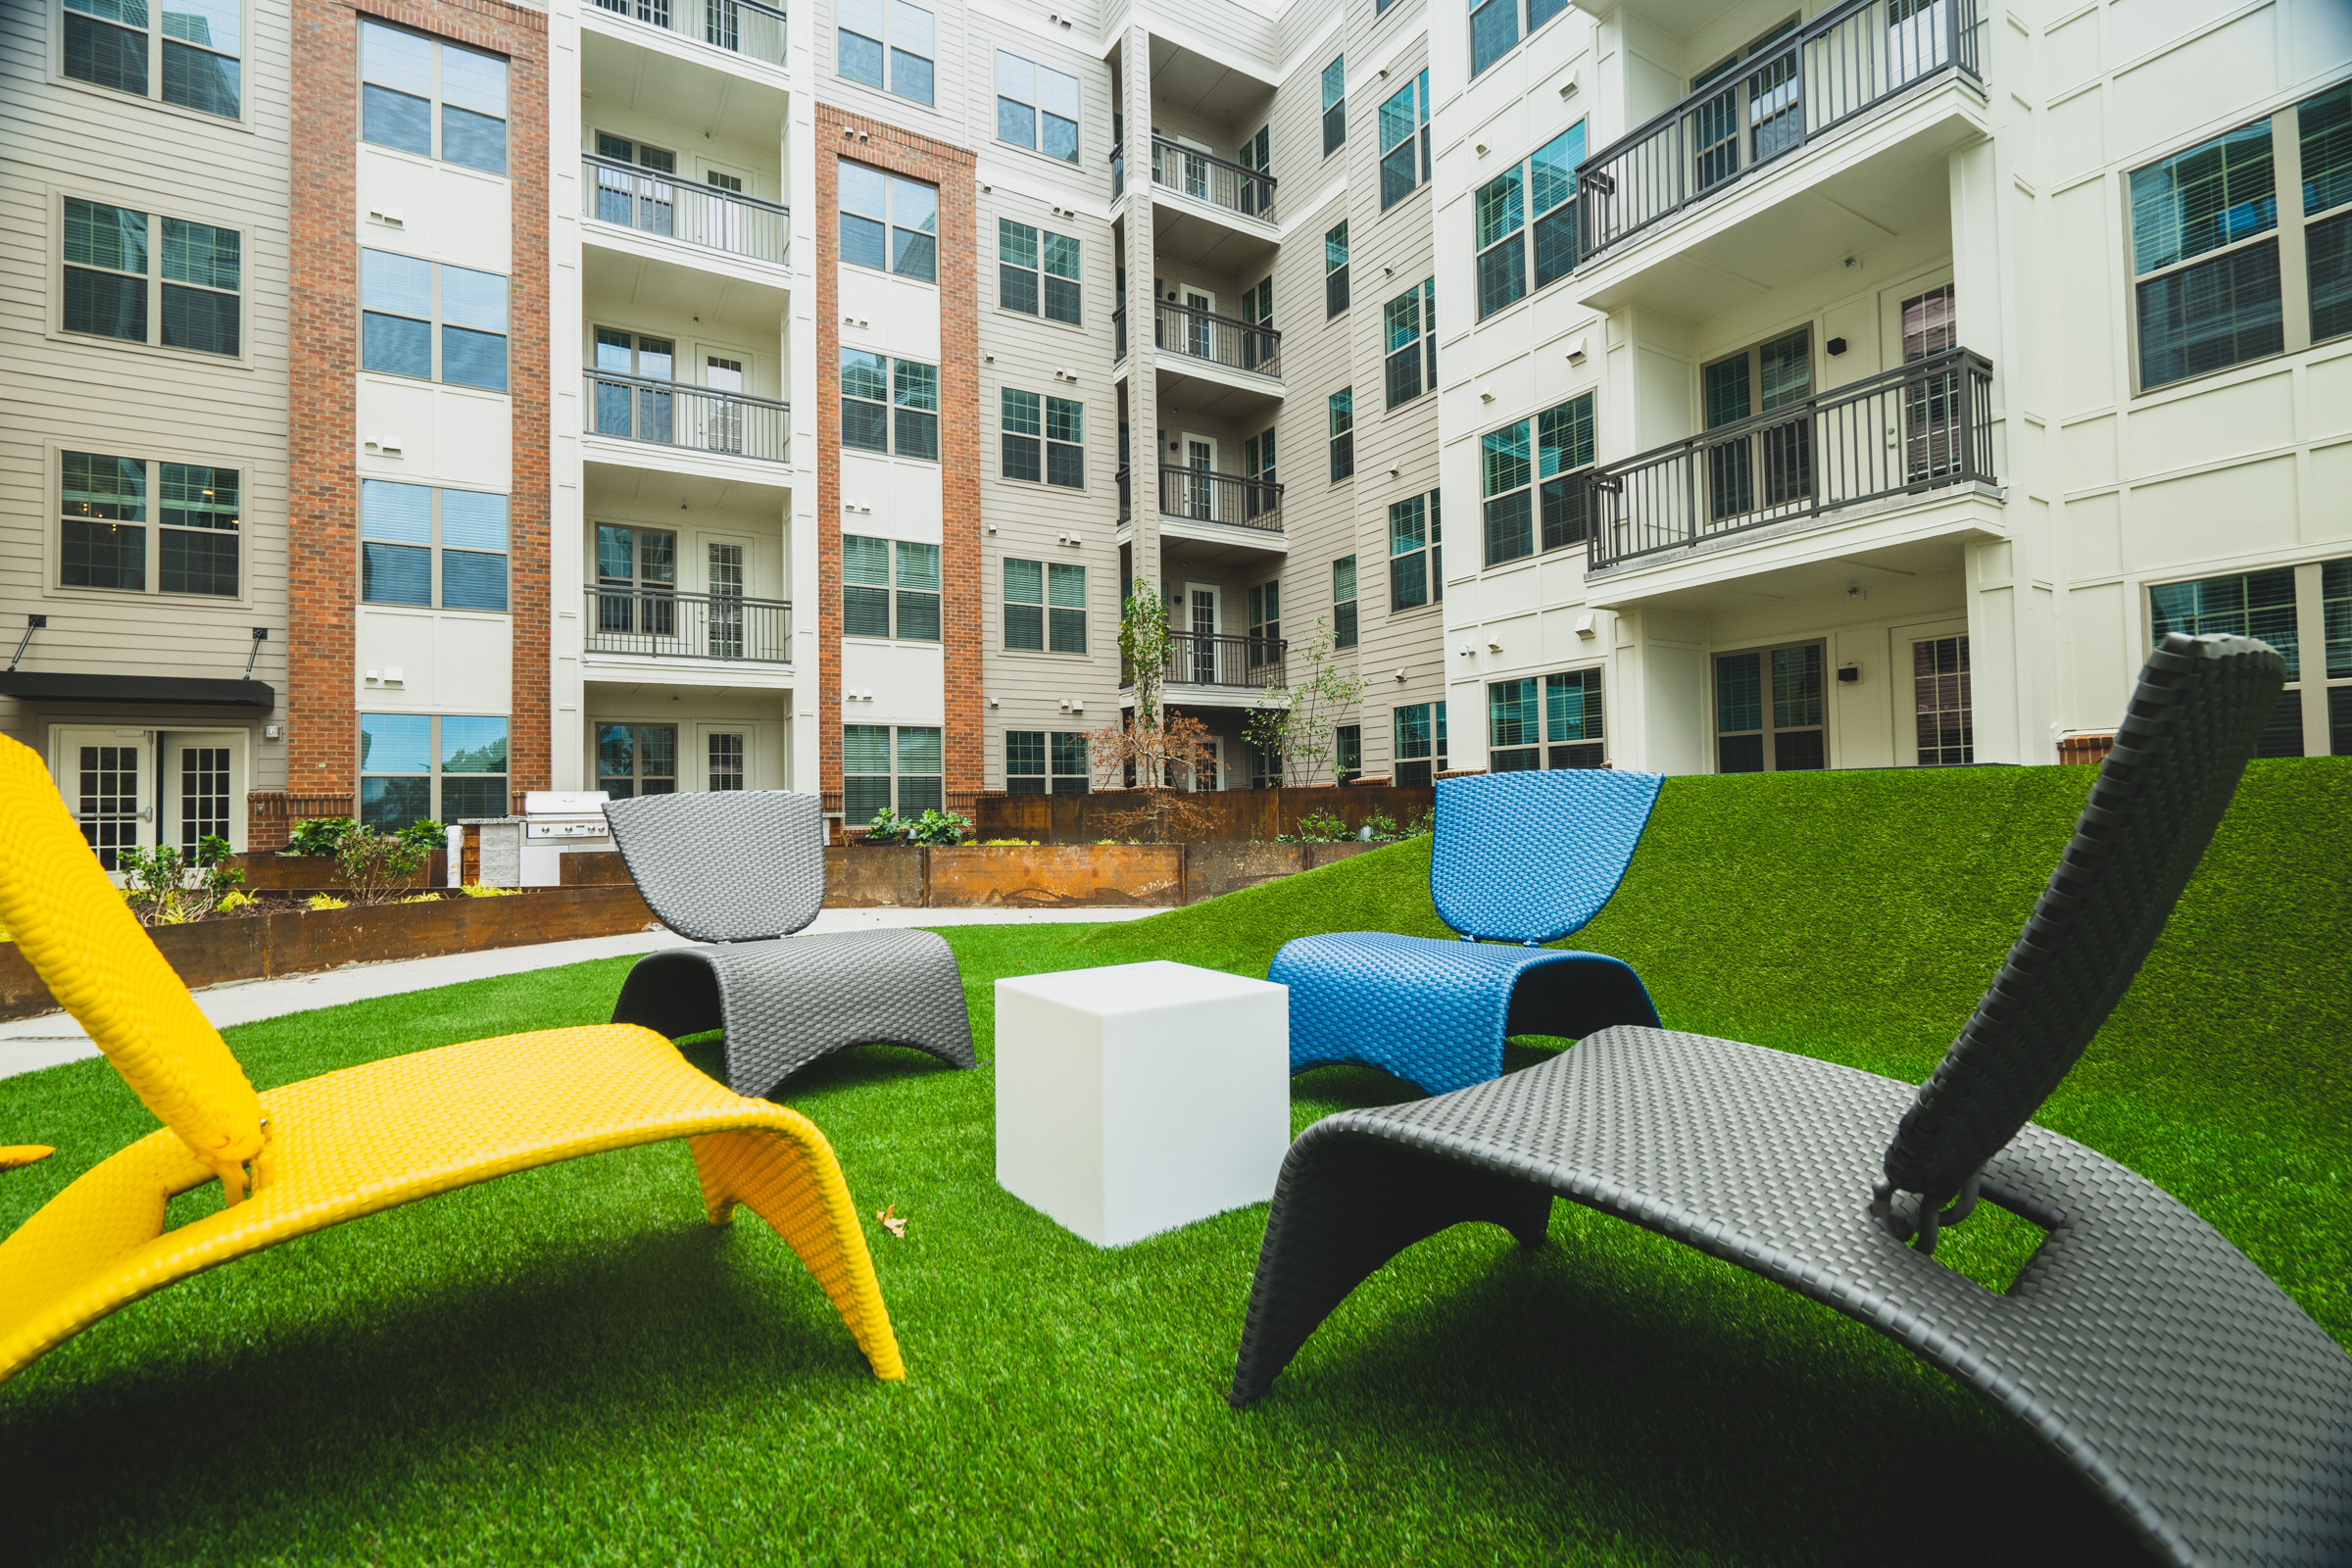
[(890, 1222)]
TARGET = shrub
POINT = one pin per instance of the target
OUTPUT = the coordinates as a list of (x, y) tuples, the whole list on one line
[(316, 835), (164, 889), (327, 900), (371, 863)]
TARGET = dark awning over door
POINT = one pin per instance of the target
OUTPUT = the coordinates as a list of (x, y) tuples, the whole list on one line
[(148, 691)]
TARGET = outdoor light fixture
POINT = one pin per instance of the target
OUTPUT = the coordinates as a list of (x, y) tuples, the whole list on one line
[(1850, 673), (1836, 345)]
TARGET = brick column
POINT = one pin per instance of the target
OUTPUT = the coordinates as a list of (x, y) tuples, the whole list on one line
[(841, 134), (322, 588)]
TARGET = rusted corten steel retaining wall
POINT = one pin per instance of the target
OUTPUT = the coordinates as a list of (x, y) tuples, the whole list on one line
[(255, 947)]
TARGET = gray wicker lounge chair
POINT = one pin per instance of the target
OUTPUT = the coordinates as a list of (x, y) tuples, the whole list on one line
[(741, 870), (2198, 1400)]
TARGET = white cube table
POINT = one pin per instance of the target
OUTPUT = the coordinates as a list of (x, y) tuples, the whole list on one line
[(1137, 1097)]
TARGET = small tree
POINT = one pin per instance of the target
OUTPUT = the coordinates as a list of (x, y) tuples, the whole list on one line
[(1167, 761), (1144, 649), (1295, 727)]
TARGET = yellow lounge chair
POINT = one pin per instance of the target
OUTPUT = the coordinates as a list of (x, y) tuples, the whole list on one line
[(331, 1149)]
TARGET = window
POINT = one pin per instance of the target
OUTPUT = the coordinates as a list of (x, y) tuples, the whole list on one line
[(1772, 375), (1266, 620), (1342, 602), (1019, 284), (1347, 751), (876, 602), (2296, 609), (1420, 754), (1044, 607), (636, 580), (1554, 722), (1538, 188), (634, 760), (102, 536), (1037, 107), (403, 76), (1409, 326), (2207, 231), (869, 30), (1768, 711), (1255, 154), (1045, 438), (189, 301), (869, 782), (1028, 753), (110, 43), (1416, 549), (888, 222), (1495, 26), (1335, 106), (882, 397), (1342, 434), (414, 767), (1515, 489), (403, 299), (1335, 272), (403, 527), (727, 769), (1404, 140)]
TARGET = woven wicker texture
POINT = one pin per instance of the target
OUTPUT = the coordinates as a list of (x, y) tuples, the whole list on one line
[(726, 866), (2193, 723), (371, 1138), (2200, 1402), (72, 926), (1435, 1014), (1532, 856), (785, 1004), (1519, 857)]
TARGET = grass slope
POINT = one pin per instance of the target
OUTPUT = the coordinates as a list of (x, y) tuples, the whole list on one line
[(568, 1365)]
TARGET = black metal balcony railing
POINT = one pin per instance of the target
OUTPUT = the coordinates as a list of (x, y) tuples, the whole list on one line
[(1843, 63), (1204, 177), (654, 203), (674, 413), (1196, 659), (1219, 339), (652, 623), (1200, 496), (1922, 428), (741, 26)]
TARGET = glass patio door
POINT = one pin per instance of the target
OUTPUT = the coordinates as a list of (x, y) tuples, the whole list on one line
[(726, 581), (106, 777), (724, 430), (1202, 616)]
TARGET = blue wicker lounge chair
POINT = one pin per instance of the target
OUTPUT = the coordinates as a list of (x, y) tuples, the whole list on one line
[(2191, 1394), (1520, 859)]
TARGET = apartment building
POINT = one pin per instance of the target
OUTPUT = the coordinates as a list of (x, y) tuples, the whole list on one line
[(1869, 384), (418, 402)]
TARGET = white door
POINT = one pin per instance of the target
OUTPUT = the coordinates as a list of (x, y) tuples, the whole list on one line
[(724, 429), (1199, 499), (1196, 169), (725, 225), (1211, 774), (1200, 621), (1199, 340), (1933, 721), (200, 788), (726, 755), (106, 777)]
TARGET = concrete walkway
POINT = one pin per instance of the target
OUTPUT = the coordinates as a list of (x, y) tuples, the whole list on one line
[(29, 1043)]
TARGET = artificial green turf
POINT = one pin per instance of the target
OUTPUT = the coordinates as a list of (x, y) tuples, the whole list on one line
[(568, 1365)]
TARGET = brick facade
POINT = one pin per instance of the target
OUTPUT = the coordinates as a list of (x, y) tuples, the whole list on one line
[(322, 509), (841, 134)]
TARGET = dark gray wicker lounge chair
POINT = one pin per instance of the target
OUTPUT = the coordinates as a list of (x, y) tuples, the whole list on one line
[(2198, 1400), (741, 870)]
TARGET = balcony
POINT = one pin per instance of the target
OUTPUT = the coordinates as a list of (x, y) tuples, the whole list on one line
[(702, 216), (1216, 340), (687, 419), (1235, 663), (1197, 495), (1841, 71), (1923, 428), (650, 623), (1204, 178), (740, 26)]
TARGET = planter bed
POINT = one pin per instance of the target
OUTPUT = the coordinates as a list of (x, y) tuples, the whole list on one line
[(256, 947), (316, 873), (1035, 876)]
